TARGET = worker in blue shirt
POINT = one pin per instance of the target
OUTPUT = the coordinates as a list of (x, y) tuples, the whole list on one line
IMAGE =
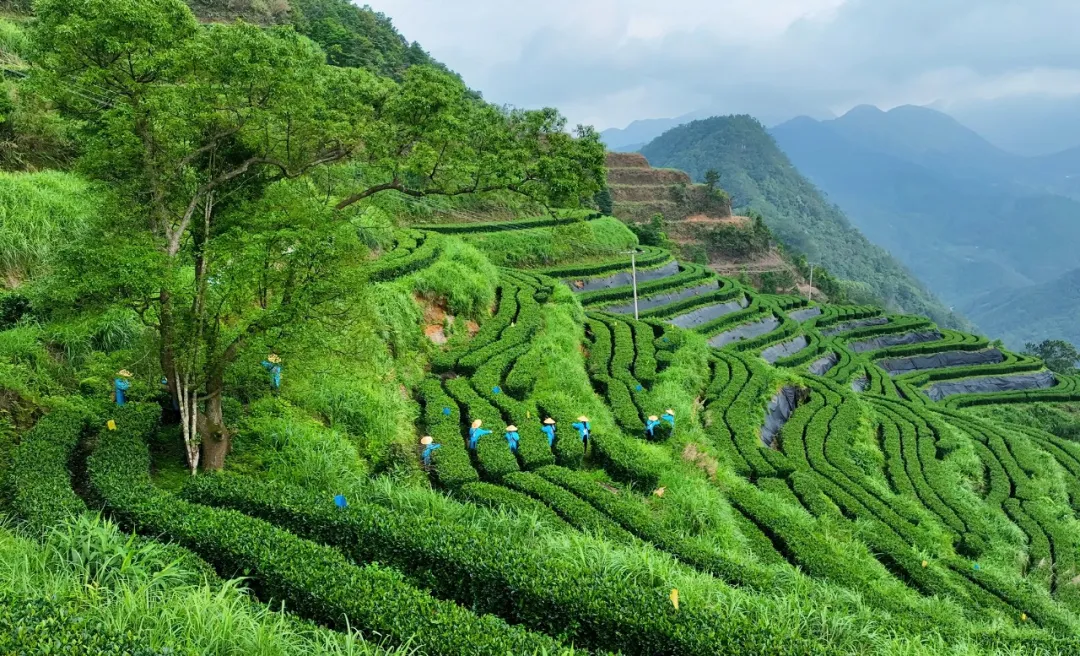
[(120, 385), (475, 433), (668, 418), (429, 449), (582, 426), (549, 430), (272, 364), (650, 426), (512, 437)]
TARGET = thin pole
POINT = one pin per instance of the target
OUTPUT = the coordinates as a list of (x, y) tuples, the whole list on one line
[(810, 292), (633, 274)]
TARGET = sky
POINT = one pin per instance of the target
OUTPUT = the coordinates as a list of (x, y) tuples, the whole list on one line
[(609, 62)]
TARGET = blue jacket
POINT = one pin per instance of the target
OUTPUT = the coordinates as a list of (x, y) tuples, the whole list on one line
[(583, 430), (430, 450), (275, 372), (650, 427), (549, 430), (512, 438), (669, 419), (475, 434), (121, 386)]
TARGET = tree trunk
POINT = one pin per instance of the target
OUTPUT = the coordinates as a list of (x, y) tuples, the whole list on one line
[(216, 442)]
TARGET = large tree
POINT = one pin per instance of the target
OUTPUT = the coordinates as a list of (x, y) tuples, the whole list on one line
[(227, 148), (1060, 356)]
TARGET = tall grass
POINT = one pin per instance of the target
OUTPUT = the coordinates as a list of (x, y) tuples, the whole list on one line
[(13, 43), (126, 586), (541, 247), (37, 210), (462, 277)]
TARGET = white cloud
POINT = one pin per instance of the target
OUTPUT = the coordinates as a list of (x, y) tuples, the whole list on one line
[(607, 62)]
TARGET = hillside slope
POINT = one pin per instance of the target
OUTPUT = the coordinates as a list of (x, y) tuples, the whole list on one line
[(963, 235), (956, 210), (1048, 310), (758, 176)]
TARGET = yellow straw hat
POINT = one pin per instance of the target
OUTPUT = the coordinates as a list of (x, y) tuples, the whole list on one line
[(670, 412), (653, 418), (549, 421), (511, 428), (426, 440), (477, 424), (275, 358), (583, 418), (125, 373)]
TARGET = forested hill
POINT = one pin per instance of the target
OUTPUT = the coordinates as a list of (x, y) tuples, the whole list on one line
[(351, 35), (760, 177)]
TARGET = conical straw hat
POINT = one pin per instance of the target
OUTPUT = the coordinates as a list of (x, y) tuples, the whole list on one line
[(583, 418), (511, 428), (549, 421), (477, 424), (653, 418), (426, 440), (124, 373)]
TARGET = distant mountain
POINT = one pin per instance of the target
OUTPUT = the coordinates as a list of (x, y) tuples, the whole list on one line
[(637, 134), (1029, 124), (759, 176), (770, 107), (967, 217), (1031, 314)]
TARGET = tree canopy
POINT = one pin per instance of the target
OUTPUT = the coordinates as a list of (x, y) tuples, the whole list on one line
[(1060, 356), (236, 157)]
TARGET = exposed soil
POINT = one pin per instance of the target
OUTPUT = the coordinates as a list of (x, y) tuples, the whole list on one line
[(626, 160), (647, 176), (701, 219)]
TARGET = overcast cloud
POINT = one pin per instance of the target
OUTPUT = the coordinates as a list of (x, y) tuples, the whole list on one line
[(608, 62)]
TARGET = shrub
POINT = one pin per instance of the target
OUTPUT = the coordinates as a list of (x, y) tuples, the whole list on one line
[(40, 478), (500, 574), (313, 580)]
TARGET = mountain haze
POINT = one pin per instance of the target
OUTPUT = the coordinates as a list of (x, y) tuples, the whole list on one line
[(971, 220), (760, 177)]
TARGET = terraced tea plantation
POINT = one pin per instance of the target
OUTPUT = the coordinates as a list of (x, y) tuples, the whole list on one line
[(728, 473)]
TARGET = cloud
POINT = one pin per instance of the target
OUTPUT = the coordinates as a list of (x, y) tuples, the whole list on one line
[(607, 62)]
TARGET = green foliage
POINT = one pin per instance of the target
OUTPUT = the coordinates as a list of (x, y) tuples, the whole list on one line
[(462, 277), (89, 588), (1060, 356), (314, 581), (603, 201), (39, 472), (560, 244), (37, 212), (357, 36), (651, 233), (495, 574)]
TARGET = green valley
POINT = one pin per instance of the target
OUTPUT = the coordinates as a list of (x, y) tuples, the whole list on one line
[(305, 351)]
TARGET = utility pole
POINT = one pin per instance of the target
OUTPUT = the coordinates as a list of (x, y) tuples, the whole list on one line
[(810, 292), (633, 275)]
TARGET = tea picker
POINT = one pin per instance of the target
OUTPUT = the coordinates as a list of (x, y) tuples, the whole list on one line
[(549, 430), (650, 426), (475, 433), (667, 424), (669, 417), (582, 426), (512, 437), (121, 384), (272, 364), (429, 449)]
